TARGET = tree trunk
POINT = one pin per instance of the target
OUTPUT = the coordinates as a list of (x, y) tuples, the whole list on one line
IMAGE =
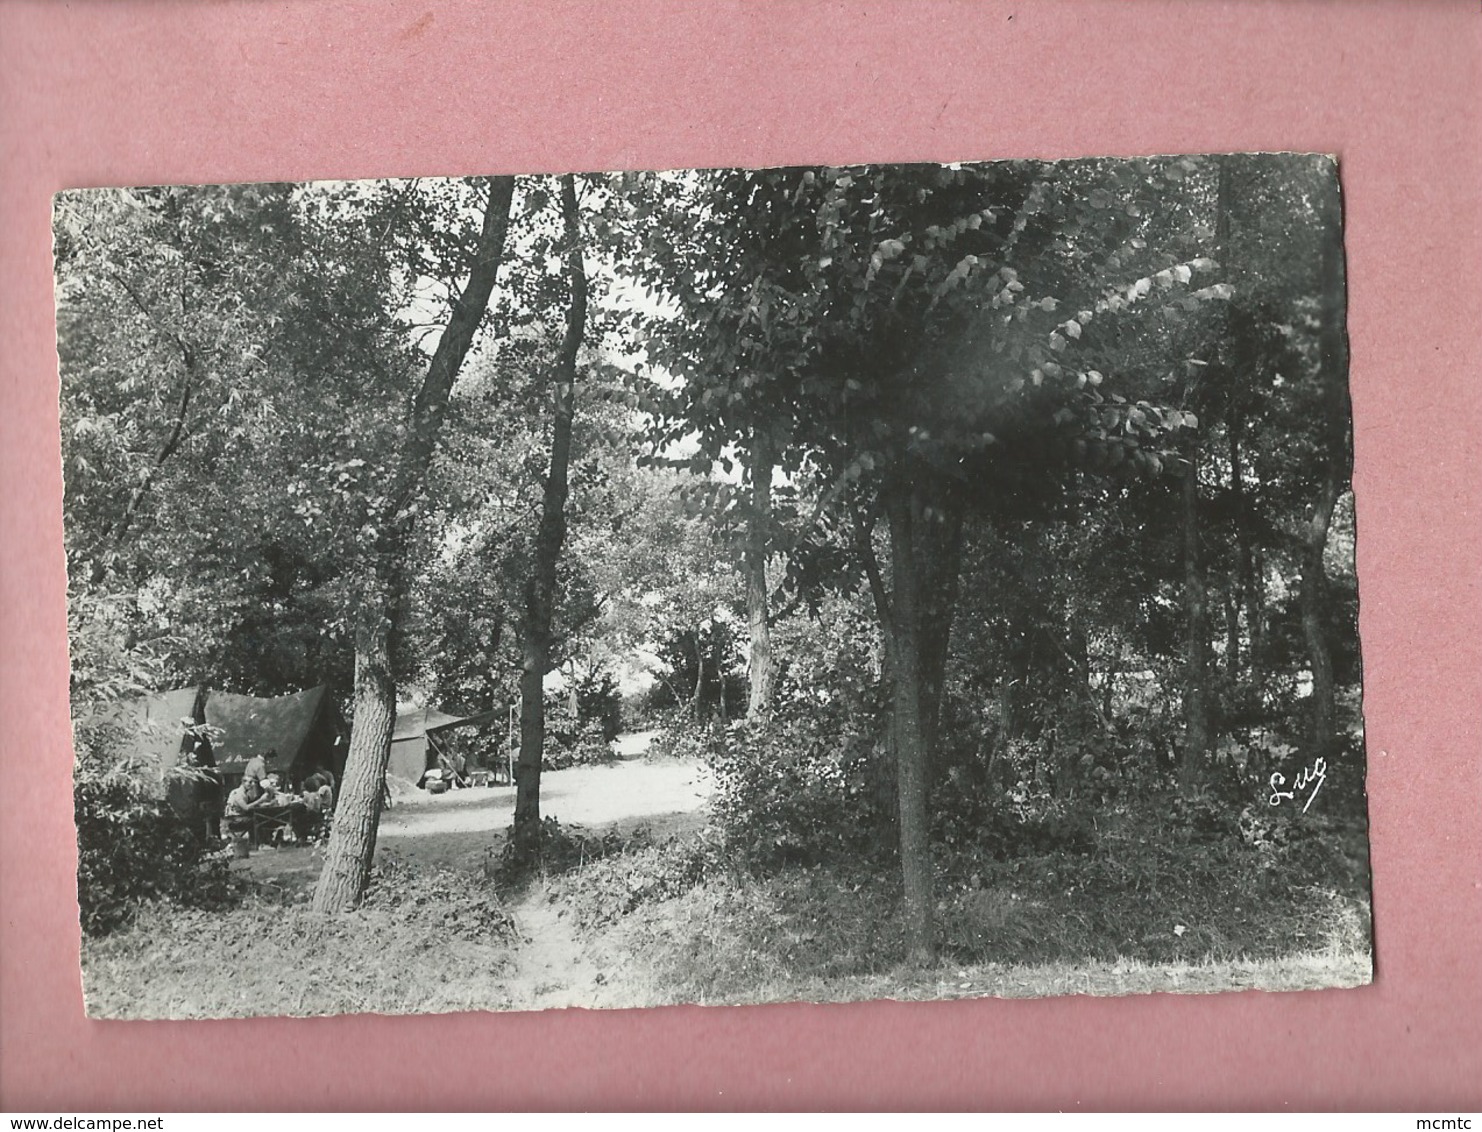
[(761, 668), (540, 586), (699, 675), (939, 568), (1232, 632), (532, 745), (883, 775), (1194, 757), (1255, 614), (720, 675), (912, 753), (673, 692), (352, 842), (1196, 643)]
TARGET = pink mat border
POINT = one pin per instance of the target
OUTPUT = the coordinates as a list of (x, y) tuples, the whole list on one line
[(157, 92)]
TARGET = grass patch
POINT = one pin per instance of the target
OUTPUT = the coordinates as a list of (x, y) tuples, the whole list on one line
[(1136, 913), (804, 937), (1313, 971), (554, 851), (423, 941)]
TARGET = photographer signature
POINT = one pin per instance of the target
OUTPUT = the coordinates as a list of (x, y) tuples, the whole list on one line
[(1313, 776)]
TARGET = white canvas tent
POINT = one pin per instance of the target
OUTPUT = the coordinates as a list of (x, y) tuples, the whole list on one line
[(417, 740)]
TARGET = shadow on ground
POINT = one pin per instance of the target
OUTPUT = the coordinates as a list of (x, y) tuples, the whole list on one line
[(295, 869)]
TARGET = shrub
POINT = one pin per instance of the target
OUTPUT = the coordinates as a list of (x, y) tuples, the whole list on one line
[(131, 846), (799, 791), (556, 849), (446, 902), (1159, 887), (974, 822), (586, 746), (600, 703), (621, 882), (682, 737)]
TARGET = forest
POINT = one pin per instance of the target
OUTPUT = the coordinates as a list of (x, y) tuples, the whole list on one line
[(972, 544)]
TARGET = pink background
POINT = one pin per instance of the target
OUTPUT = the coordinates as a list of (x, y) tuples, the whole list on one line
[(108, 93)]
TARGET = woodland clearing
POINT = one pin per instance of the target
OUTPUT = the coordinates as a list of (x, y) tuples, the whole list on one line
[(433, 937)]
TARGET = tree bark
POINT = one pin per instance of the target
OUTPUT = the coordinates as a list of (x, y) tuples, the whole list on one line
[(699, 690), (352, 842), (1195, 754), (761, 667), (1232, 632), (720, 676), (352, 845), (939, 568), (540, 586), (1255, 614), (883, 758), (903, 505), (1196, 643)]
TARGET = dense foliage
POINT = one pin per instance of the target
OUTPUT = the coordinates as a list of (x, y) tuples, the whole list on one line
[(132, 847)]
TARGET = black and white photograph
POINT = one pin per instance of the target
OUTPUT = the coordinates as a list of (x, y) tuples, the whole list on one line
[(726, 586)]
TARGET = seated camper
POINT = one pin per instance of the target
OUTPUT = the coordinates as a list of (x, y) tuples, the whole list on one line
[(236, 821), (318, 805)]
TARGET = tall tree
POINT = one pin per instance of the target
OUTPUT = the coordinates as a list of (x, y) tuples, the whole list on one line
[(164, 302), (209, 336), (540, 586), (353, 841), (1195, 752), (918, 361), (762, 665), (1197, 738), (1335, 461)]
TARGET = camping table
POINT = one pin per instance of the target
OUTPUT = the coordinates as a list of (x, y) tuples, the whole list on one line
[(268, 820)]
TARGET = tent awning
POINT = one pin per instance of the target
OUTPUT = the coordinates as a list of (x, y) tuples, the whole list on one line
[(251, 726), (421, 721)]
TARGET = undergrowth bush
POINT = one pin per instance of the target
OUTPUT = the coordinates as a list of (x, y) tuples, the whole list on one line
[(444, 901), (979, 821), (1186, 879), (681, 736), (585, 745), (555, 850), (423, 940), (132, 848), (798, 793), (798, 866), (619, 883)]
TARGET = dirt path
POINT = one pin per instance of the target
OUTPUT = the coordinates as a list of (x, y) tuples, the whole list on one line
[(456, 830), (552, 969)]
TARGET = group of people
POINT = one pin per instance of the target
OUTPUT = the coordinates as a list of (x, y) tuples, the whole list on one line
[(306, 813)]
